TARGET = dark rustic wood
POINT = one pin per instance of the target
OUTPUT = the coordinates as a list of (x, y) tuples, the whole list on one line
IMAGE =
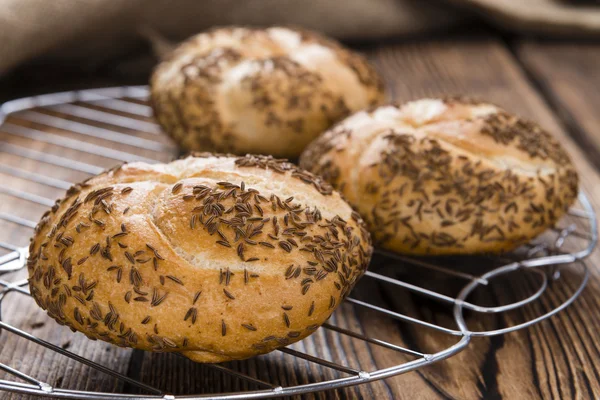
[(541, 361), (555, 359), (567, 74)]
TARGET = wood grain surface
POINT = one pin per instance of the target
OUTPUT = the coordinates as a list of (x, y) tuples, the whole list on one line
[(556, 359), (567, 74)]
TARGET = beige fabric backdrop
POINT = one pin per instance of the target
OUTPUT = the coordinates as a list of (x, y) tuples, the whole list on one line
[(90, 31)]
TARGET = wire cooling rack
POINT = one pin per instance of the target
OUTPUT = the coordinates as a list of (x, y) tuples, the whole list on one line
[(84, 132)]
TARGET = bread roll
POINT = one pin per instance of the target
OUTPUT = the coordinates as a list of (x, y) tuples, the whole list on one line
[(264, 91), (446, 176), (216, 257)]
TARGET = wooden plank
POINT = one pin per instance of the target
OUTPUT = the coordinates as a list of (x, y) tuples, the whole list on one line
[(552, 359), (568, 74), (555, 358), (524, 364)]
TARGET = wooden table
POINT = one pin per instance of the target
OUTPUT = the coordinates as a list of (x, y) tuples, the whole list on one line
[(555, 83)]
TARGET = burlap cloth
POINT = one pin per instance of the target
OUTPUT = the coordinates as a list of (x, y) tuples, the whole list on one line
[(91, 31)]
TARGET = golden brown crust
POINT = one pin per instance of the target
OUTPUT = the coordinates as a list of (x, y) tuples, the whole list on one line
[(447, 176), (268, 91), (216, 257)]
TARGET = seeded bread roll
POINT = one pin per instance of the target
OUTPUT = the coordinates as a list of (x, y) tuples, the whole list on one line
[(451, 176), (264, 91), (216, 257)]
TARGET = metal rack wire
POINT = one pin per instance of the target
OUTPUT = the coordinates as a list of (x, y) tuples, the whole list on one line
[(82, 119)]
